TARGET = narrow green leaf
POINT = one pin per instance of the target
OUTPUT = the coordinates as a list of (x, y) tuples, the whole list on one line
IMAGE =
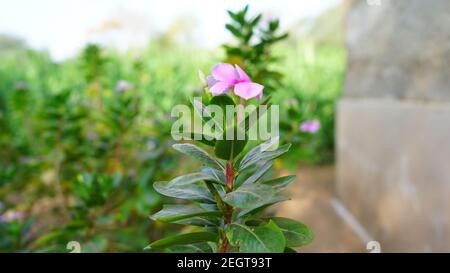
[(255, 151), (259, 173), (233, 30), (189, 179), (172, 213), (201, 221), (259, 154), (262, 239), (255, 20), (280, 183), (202, 138), (184, 239), (203, 156), (191, 248)]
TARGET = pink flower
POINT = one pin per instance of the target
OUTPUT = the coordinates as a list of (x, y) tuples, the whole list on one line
[(310, 126), (123, 85), (226, 76), (10, 216)]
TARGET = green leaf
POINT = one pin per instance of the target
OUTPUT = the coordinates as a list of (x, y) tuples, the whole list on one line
[(172, 213), (184, 239), (260, 153), (189, 179), (289, 250), (200, 154), (201, 221), (233, 30), (259, 173), (186, 187), (218, 175), (254, 152), (247, 123), (273, 25), (248, 196), (255, 20), (226, 148), (296, 234), (202, 138), (206, 116), (280, 183), (260, 206), (262, 239), (222, 101), (191, 248), (229, 149)]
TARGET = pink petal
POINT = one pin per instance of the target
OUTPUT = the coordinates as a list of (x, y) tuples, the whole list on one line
[(259, 97), (310, 126), (248, 90), (243, 77), (224, 73), (211, 81), (219, 88)]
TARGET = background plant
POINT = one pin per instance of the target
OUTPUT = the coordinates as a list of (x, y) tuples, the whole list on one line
[(255, 37)]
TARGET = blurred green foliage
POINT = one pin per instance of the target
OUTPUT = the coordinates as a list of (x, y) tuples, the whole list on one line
[(82, 140), (254, 38)]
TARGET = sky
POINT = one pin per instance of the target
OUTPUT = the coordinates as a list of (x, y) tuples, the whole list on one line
[(64, 26)]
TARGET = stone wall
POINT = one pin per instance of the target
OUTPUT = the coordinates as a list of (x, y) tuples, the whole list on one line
[(393, 123)]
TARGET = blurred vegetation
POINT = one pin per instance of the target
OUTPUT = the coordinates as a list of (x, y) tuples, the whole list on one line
[(82, 140)]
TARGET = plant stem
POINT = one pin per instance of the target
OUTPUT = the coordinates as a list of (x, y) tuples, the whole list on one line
[(230, 175)]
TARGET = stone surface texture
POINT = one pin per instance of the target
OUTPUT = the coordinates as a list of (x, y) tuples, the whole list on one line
[(393, 123)]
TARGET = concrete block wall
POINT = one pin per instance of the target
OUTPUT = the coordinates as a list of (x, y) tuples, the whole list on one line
[(393, 123)]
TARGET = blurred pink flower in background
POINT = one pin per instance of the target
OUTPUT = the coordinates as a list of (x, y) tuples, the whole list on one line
[(11, 215), (123, 85), (226, 76), (310, 126)]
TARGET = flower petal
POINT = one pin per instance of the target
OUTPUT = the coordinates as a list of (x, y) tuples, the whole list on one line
[(211, 81), (310, 126), (259, 97), (219, 88), (225, 73), (248, 90), (243, 77)]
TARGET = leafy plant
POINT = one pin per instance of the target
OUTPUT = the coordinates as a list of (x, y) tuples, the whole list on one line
[(229, 193), (255, 38)]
